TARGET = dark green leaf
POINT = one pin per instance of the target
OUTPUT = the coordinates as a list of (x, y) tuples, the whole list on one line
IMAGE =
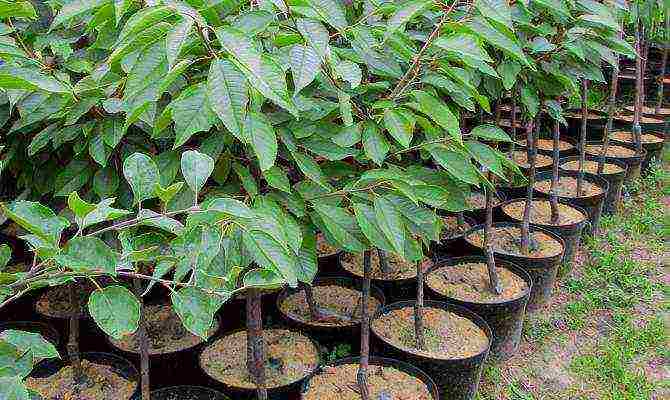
[(115, 310)]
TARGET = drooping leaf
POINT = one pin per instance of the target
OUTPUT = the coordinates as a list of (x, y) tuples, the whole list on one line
[(196, 310), (315, 34), (196, 168), (438, 112), (490, 132), (192, 113), (400, 124), (405, 13), (457, 164), (341, 226), (375, 145), (228, 93), (367, 221), (175, 40), (88, 253), (75, 9), (32, 342), (329, 11), (73, 177), (142, 175), (305, 65), (277, 179), (263, 139), (115, 310)]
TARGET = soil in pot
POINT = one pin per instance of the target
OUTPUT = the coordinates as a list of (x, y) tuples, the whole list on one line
[(613, 150), (448, 335), (187, 393), (477, 201), (323, 248), (592, 167), (340, 303), (469, 281), (520, 158), (567, 187), (291, 357), (451, 229), (507, 240), (650, 111), (165, 331), (540, 212), (398, 268), (643, 119), (101, 381), (646, 137), (384, 382), (55, 302), (547, 145)]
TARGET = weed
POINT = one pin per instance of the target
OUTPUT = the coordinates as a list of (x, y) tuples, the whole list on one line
[(338, 351)]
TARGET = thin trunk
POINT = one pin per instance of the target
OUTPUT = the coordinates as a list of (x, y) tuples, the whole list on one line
[(383, 261), (645, 58), (582, 147), (525, 226), (555, 174), (611, 110), (311, 303), (498, 112), (143, 340), (637, 130), (494, 282), (255, 343), (664, 61), (362, 376), (419, 333), (73, 341), (513, 123)]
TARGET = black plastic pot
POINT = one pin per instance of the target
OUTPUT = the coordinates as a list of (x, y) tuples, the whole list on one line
[(505, 318), (653, 149), (187, 393), (383, 362), (647, 124), (594, 126), (284, 392), (571, 234), (170, 368), (47, 331), (593, 205), (479, 214), (615, 181), (542, 270), (452, 246), (456, 379), (119, 365), (634, 163), (328, 336)]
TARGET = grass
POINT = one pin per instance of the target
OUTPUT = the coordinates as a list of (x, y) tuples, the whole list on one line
[(605, 334)]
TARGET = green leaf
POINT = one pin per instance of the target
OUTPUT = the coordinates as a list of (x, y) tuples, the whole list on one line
[(349, 72), (482, 29), (144, 79), (374, 143), (405, 13), (168, 193), (41, 140), (490, 132), (13, 77), (87, 254), (175, 40), (248, 181), (79, 207), (390, 222), (36, 219), (116, 311), (262, 137), (263, 279), (400, 124), (509, 70), (367, 221), (530, 99), (439, 112), (341, 226), (347, 136), (75, 176), (142, 40), (196, 168), (102, 212), (227, 90), (311, 169), (17, 9), (463, 45), (12, 388), (155, 220), (76, 9), (457, 164), (316, 36), (14, 362), (269, 253), (33, 342), (487, 157), (191, 113), (330, 11), (5, 255), (277, 179), (105, 182), (305, 65), (142, 175), (497, 11), (366, 47), (144, 19), (231, 207)]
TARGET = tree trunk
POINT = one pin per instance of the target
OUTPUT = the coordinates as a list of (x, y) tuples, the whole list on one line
[(664, 63), (255, 343), (419, 333), (513, 128), (383, 261), (532, 150), (362, 376), (637, 130), (73, 341), (582, 147), (143, 340), (494, 282), (555, 174), (611, 110)]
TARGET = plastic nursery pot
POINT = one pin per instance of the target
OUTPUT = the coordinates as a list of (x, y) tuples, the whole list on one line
[(172, 349), (186, 393), (625, 121), (457, 378), (344, 294), (567, 146), (327, 257), (233, 313), (47, 331), (614, 174), (652, 143), (451, 241), (595, 124), (289, 363), (477, 203), (504, 317), (570, 232), (542, 268), (116, 378), (375, 364), (591, 203), (623, 152), (398, 284)]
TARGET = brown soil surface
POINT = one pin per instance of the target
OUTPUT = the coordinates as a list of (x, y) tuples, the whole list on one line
[(507, 240), (613, 150), (448, 336), (470, 282), (578, 115), (342, 302), (166, 333), (627, 136), (55, 302), (477, 201), (323, 248), (662, 112), (520, 157), (398, 267), (339, 383), (451, 230), (643, 119), (592, 167), (506, 123), (548, 144), (101, 382), (567, 187), (540, 212), (290, 357)]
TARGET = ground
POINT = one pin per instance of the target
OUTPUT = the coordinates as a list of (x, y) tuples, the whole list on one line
[(605, 335)]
